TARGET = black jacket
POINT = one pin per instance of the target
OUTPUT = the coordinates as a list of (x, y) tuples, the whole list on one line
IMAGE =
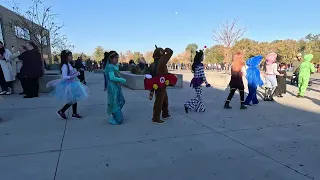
[(32, 66)]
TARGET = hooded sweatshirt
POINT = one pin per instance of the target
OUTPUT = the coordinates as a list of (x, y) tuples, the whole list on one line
[(306, 67)]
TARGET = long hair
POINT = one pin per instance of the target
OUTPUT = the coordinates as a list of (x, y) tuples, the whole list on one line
[(105, 57), (237, 62), (34, 46), (64, 58), (112, 54), (197, 60)]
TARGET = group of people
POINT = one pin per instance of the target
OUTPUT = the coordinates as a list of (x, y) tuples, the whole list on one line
[(26, 65), (71, 90), (275, 80)]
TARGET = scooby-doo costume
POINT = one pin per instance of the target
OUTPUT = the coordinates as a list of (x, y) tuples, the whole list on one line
[(159, 67)]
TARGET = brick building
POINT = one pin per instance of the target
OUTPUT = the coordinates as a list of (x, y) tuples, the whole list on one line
[(14, 35)]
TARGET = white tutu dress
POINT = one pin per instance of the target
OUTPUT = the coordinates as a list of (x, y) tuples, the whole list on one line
[(69, 89)]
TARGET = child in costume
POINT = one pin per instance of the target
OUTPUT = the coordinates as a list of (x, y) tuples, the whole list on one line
[(282, 81), (196, 104), (306, 69), (254, 79), (116, 99), (159, 67), (68, 89), (271, 76), (236, 83)]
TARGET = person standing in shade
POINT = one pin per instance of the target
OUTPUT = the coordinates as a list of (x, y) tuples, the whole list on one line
[(32, 69), (6, 76)]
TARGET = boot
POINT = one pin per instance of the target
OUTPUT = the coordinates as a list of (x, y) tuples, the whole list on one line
[(271, 92), (266, 97), (227, 105), (243, 106)]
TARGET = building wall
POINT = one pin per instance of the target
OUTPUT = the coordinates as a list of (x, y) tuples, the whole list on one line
[(7, 17)]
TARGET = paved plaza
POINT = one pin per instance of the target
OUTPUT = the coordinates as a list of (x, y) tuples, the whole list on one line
[(274, 140)]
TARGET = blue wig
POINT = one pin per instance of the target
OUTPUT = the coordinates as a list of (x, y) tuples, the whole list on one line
[(253, 72)]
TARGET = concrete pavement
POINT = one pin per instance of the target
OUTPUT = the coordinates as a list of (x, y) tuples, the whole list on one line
[(278, 141)]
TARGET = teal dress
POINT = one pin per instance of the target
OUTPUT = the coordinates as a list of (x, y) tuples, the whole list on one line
[(116, 99)]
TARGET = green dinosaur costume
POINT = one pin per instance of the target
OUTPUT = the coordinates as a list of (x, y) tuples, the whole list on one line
[(306, 68)]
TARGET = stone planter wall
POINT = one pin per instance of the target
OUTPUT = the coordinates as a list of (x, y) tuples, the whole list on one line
[(136, 82), (49, 76)]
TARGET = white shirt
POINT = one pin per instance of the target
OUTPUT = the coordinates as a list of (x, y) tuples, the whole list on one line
[(64, 71)]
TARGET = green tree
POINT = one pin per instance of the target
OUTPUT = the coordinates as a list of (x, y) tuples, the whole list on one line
[(137, 56), (98, 53), (192, 48), (214, 54)]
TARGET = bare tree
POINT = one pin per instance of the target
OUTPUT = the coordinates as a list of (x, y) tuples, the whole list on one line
[(40, 22), (227, 35)]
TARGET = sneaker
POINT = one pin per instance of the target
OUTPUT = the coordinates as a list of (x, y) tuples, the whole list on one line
[(8, 93), (166, 118), (3, 92), (62, 115), (159, 122), (76, 116)]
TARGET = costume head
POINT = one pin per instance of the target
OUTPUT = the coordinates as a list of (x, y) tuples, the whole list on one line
[(271, 58), (253, 73), (237, 62), (254, 61), (198, 58), (308, 57), (158, 52)]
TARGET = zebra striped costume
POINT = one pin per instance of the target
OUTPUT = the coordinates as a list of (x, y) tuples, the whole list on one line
[(196, 103)]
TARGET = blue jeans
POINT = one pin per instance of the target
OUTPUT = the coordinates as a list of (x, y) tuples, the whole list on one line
[(252, 96)]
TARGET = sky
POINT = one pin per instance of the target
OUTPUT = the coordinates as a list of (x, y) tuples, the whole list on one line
[(138, 25)]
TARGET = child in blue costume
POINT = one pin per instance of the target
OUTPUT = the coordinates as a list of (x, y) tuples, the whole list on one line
[(116, 99), (68, 89), (254, 79)]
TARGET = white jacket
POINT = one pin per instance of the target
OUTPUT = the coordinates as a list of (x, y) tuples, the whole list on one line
[(8, 73)]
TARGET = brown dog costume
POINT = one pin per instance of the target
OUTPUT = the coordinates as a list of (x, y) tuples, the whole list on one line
[(159, 67)]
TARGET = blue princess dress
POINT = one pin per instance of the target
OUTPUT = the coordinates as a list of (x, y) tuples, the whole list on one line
[(116, 99), (69, 89)]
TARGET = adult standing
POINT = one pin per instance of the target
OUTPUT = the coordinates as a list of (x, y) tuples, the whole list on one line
[(80, 67), (32, 69), (19, 64), (6, 75)]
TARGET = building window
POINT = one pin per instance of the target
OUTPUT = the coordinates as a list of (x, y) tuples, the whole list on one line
[(22, 33), (43, 40)]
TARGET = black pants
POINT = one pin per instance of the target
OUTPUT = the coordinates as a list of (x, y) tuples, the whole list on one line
[(67, 106), (231, 94), (23, 82), (81, 77), (31, 87)]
